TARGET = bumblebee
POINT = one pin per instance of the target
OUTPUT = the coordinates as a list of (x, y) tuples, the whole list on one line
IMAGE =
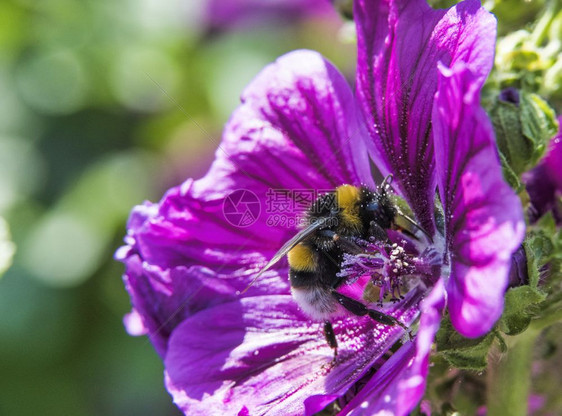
[(315, 254)]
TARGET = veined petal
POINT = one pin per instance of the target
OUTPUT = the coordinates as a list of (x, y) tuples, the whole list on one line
[(162, 298), (306, 99), (398, 386), (399, 45), (483, 217), (294, 131), (264, 354)]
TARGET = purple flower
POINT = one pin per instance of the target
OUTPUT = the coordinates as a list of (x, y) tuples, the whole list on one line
[(221, 14), (544, 182), (416, 112)]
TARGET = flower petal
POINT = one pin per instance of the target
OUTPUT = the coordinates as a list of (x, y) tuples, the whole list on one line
[(398, 386), (553, 158), (264, 353), (483, 216), (542, 192), (399, 46), (227, 14), (544, 181), (307, 100), (294, 131)]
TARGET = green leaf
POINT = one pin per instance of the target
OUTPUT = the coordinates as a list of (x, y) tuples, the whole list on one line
[(522, 132), (461, 352), (513, 147), (547, 223), (510, 176), (539, 124), (549, 313), (538, 248), (517, 312)]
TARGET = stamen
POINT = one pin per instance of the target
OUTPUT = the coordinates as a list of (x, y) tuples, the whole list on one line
[(387, 265)]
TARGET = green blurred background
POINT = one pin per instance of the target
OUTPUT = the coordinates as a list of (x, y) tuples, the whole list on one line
[(104, 104)]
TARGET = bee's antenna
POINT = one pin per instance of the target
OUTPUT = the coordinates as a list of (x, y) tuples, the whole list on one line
[(386, 181)]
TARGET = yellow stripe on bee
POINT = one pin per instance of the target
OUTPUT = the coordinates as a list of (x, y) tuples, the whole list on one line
[(301, 258), (347, 197)]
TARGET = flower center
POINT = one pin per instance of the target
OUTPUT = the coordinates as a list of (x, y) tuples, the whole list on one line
[(391, 268)]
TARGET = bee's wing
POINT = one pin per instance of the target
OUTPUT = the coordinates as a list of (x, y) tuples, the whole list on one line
[(300, 236)]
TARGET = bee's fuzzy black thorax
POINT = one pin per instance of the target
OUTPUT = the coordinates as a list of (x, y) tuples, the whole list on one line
[(377, 207), (351, 212), (352, 209)]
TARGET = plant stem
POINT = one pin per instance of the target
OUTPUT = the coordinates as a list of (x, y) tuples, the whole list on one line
[(509, 376)]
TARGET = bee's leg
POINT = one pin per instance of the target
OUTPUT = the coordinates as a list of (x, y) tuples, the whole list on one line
[(343, 242), (347, 245), (357, 308), (377, 231), (331, 337)]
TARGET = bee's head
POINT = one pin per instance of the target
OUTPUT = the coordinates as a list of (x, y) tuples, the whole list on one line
[(377, 207)]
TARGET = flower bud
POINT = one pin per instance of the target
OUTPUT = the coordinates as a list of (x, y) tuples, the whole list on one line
[(518, 273)]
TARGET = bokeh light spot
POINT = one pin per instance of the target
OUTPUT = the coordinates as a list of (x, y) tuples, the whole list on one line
[(53, 83)]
